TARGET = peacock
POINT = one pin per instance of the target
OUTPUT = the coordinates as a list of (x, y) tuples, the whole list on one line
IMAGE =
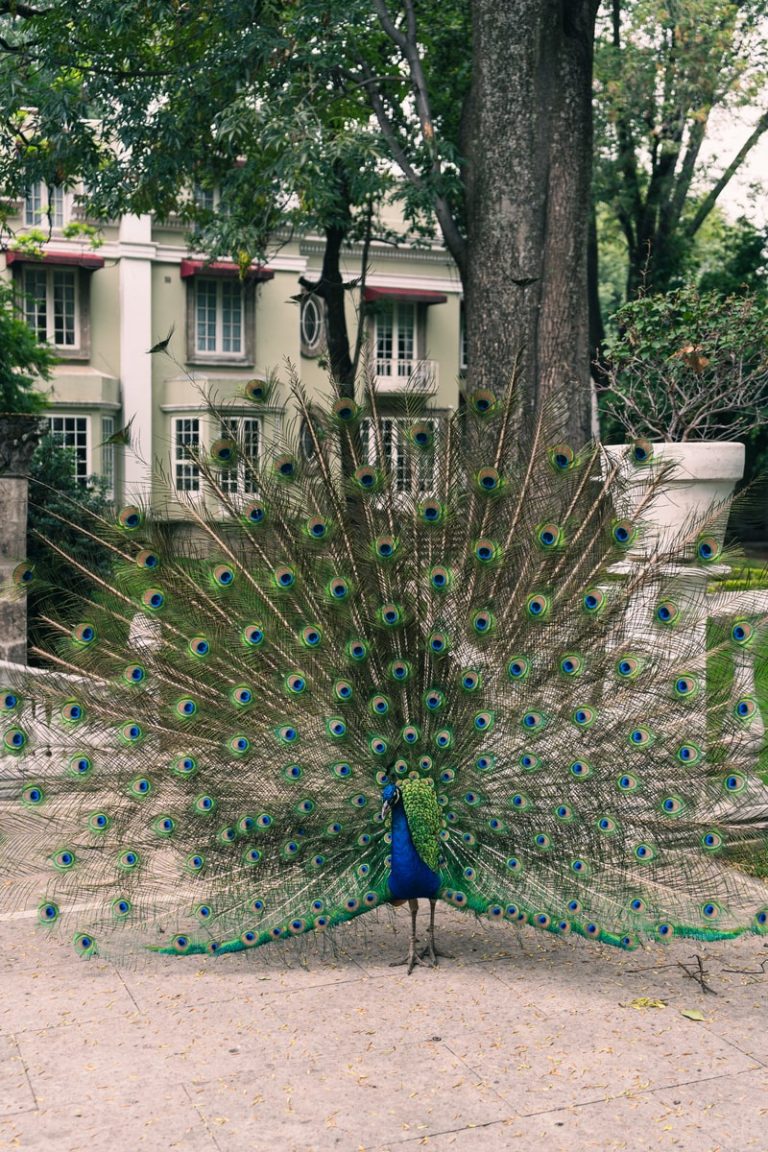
[(461, 666)]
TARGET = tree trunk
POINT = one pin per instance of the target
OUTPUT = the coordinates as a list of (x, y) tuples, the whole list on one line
[(331, 290), (528, 151), (596, 325)]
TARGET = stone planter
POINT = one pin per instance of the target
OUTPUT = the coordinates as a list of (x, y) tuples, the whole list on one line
[(694, 498)]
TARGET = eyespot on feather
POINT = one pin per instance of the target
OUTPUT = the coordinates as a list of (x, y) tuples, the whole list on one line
[(488, 481), (367, 479), (346, 410), (258, 391), (561, 457), (708, 549), (84, 635), (422, 435), (538, 606), (255, 513), (483, 402), (223, 576), (641, 452), (130, 518), (223, 453), (317, 528), (285, 466), (153, 599), (440, 577), (432, 512), (384, 547)]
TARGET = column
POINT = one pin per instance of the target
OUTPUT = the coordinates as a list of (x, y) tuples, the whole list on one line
[(136, 253)]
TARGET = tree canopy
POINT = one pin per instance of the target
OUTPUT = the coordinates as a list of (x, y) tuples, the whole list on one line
[(250, 120), (663, 69), (24, 363)]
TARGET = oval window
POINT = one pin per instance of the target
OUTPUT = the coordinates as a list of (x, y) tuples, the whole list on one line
[(312, 325)]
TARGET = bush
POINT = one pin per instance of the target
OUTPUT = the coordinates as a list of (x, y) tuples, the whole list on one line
[(24, 362), (59, 509), (687, 365)]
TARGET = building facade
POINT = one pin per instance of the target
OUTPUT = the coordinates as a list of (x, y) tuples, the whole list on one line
[(103, 309)]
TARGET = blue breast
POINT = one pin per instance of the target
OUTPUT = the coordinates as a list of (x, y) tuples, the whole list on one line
[(410, 877)]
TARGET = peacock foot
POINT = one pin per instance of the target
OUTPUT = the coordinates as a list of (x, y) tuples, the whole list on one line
[(413, 958), (434, 953)]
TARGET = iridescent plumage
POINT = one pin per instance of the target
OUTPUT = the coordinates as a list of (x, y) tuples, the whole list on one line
[(201, 767)]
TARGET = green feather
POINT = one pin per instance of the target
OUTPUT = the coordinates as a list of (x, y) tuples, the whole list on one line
[(424, 820)]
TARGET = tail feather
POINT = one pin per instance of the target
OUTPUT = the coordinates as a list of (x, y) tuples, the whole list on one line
[(472, 602)]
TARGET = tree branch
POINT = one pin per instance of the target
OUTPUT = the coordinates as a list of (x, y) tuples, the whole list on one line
[(687, 169), (388, 129), (360, 335), (11, 8), (408, 45)]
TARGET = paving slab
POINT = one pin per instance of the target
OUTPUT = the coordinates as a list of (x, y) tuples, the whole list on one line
[(171, 1122), (61, 994), (16, 1093), (358, 1097), (522, 1041), (595, 1052)]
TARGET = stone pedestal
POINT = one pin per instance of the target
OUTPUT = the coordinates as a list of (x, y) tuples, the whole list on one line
[(13, 549), (18, 439)]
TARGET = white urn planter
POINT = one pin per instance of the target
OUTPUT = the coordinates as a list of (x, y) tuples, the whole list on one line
[(694, 495)]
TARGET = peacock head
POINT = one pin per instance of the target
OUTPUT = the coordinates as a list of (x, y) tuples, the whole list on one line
[(390, 794)]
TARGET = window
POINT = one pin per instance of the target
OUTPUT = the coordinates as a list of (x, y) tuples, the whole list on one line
[(44, 205), (246, 431), (50, 305), (72, 432), (312, 325), (204, 198), (108, 453), (411, 470), (186, 439), (219, 316), (396, 340)]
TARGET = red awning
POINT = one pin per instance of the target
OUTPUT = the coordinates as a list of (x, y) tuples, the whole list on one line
[(414, 295), (223, 268), (88, 260)]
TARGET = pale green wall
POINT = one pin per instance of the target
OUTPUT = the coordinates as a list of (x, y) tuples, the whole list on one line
[(277, 333)]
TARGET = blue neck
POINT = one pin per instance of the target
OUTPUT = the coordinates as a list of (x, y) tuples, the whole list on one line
[(410, 877)]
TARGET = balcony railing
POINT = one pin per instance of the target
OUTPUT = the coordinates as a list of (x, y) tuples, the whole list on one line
[(399, 375)]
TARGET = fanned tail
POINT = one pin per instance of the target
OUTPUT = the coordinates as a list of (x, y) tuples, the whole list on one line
[(463, 599)]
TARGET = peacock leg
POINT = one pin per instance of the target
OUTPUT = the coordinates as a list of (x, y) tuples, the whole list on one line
[(430, 949), (413, 958)]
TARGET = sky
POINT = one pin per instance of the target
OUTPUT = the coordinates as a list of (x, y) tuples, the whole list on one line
[(747, 193)]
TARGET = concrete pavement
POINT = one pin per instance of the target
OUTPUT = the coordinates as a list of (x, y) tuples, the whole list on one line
[(523, 1041)]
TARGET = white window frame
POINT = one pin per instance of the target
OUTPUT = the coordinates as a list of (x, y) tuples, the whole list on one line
[(245, 431), (74, 424), (49, 274), (47, 205), (398, 457), (313, 346), (396, 340), (186, 434), (108, 454), (221, 286), (206, 199)]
